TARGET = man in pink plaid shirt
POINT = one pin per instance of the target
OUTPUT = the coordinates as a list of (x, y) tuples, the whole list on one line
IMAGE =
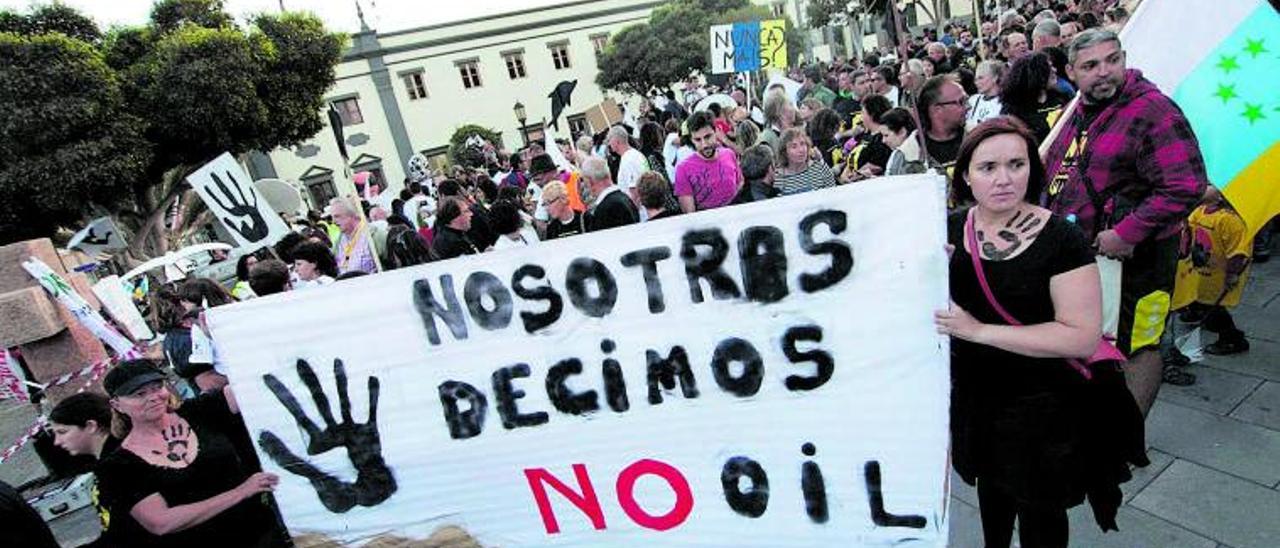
[(1127, 167)]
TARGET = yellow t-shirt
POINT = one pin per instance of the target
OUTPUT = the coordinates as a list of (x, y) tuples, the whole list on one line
[(1209, 239)]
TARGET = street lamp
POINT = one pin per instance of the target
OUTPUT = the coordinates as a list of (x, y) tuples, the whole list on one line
[(521, 117)]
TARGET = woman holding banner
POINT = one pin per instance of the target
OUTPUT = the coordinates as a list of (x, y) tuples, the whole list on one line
[(1026, 309), (177, 472)]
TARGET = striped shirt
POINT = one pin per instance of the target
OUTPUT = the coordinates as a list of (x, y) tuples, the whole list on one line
[(814, 177)]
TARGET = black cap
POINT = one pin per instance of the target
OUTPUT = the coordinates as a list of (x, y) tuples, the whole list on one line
[(540, 164), (129, 376)]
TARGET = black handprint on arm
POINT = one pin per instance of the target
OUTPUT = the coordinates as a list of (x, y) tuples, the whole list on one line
[(255, 227), (374, 481)]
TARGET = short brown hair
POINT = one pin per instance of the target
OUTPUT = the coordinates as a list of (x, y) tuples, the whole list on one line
[(1000, 125), (653, 190)]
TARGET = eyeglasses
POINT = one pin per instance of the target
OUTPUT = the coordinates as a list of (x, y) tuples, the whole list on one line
[(961, 102)]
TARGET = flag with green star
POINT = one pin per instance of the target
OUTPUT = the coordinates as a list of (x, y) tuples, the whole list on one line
[(1223, 70)]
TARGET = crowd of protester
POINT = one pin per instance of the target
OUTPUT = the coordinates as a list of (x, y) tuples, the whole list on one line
[(974, 102)]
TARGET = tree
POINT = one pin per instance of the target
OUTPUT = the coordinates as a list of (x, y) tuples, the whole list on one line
[(50, 18), (675, 43), (173, 95), (461, 154), (66, 141)]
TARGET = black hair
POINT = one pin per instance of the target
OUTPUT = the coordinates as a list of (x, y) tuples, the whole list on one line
[(317, 254), (651, 137), (823, 128), (268, 277), (504, 217), (79, 409), (449, 187), (285, 244), (930, 92), (488, 188), (450, 208), (201, 290), (898, 119), (509, 192), (876, 106), (699, 121), (1025, 80), (242, 267), (889, 74)]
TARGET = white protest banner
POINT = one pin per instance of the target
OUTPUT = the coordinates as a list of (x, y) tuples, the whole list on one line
[(229, 193), (766, 374)]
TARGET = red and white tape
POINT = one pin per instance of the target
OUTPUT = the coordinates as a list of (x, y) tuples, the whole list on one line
[(94, 371)]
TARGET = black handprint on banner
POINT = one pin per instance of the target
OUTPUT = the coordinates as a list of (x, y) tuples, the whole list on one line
[(374, 481), (254, 228)]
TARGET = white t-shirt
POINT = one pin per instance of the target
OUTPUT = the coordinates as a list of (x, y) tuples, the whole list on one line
[(631, 167), (526, 237), (669, 148), (982, 109)]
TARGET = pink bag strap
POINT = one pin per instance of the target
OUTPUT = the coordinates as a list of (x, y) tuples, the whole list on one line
[(972, 238)]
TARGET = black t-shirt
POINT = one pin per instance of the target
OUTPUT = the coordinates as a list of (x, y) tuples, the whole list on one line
[(557, 229), (1021, 285), (944, 152), (450, 243), (124, 479)]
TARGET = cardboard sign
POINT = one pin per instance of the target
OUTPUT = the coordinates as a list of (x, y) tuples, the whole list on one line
[(98, 236), (603, 116), (766, 375), (748, 46), (230, 194), (111, 293)]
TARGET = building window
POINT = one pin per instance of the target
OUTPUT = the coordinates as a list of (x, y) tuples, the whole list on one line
[(599, 42), (515, 64), (349, 110), (416, 85), (560, 55), (470, 72), (778, 10)]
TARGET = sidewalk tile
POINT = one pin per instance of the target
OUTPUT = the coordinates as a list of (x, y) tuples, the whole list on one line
[(1262, 359), (1262, 407), (1143, 476), (1138, 529), (1216, 390), (1226, 444), (966, 525), (1257, 322), (963, 491), (1260, 291), (1230, 510)]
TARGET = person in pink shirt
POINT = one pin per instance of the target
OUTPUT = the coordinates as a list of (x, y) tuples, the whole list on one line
[(710, 178)]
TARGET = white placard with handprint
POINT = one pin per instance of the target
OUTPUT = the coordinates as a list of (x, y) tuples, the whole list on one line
[(229, 193), (762, 375)]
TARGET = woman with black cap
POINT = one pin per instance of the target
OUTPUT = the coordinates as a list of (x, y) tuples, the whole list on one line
[(177, 472)]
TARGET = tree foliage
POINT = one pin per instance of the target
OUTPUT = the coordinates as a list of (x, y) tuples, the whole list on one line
[(48, 19), (116, 123), (674, 43), (461, 154)]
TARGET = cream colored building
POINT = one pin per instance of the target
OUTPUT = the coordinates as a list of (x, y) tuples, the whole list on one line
[(407, 91)]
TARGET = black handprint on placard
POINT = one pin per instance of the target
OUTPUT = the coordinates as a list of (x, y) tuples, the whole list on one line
[(92, 239), (374, 481), (254, 228)]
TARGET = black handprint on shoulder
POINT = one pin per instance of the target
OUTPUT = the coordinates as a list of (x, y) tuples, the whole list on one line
[(374, 481), (254, 228), (1014, 233)]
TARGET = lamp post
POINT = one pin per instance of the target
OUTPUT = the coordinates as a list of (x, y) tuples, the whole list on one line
[(521, 117)]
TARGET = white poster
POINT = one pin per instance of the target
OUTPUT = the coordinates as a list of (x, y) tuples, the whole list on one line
[(119, 304), (721, 49), (99, 235), (758, 375), (229, 193)]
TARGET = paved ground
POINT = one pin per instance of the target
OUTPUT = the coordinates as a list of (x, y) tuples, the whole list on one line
[(1214, 479)]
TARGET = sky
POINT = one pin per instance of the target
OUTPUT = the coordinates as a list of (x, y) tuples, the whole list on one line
[(339, 15)]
